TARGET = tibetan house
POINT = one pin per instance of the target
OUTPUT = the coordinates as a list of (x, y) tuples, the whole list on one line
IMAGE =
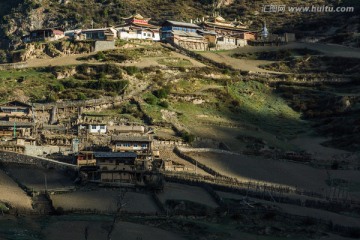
[(229, 34), (140, 144), (16, 120), (138, 27), (46, 35), (85, 158), (184, 35), (102, 34), (117, 167)]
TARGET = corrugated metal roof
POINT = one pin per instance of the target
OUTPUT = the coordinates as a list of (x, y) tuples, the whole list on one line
[(201, 31), (115, 155), (131, 138), (187, 34), (184, 24)]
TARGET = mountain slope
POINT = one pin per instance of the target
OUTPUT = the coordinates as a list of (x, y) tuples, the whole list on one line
[(20, 16)]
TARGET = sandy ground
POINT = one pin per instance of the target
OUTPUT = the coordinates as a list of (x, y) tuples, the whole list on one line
[(97, 230), (72, 60), (34, 178), (105, 200), (253, 65), (175, 191), (302, 211), (12, 194), (266, 170)]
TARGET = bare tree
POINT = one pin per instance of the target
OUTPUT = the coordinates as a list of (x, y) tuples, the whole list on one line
[(119, 205)]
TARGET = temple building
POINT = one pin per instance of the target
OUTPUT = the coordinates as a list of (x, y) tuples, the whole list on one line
[(184, 35), (138, 27), (229, 35)]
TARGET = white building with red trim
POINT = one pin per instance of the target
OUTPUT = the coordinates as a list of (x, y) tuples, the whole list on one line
[(138, 27)]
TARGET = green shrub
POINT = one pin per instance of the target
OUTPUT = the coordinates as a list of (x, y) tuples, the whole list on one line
[(151, 99), (81, 96), (120, 42), (187, 137), (57, 87), (131, 70), (3, 208), (111, 69), (164, 104), (162, 93), (100, 56), (52, 97), (107, 85)]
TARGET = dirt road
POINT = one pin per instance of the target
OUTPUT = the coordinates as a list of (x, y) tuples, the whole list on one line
[(331, 50)]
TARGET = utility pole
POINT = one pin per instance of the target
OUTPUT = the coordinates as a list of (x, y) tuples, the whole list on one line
[(14, 129), (45, 179)]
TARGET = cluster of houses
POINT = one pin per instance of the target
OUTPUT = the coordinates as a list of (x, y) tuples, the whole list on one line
[(212, 33), (125, 158), (130, 157)]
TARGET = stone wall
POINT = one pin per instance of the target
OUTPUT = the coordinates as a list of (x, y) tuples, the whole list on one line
[(104, 45), (187, 150), (10, 157), (67, 109), (9, 66), (43, 150)]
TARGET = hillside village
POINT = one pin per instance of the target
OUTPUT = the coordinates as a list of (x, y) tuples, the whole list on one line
[(206, 129), (26, 125), (200, 35)]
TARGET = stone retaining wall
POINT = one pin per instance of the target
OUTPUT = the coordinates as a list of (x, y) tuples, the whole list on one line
[(10, 157)]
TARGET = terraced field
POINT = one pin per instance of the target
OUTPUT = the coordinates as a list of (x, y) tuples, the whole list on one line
[(12, 194), (258, 169)]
